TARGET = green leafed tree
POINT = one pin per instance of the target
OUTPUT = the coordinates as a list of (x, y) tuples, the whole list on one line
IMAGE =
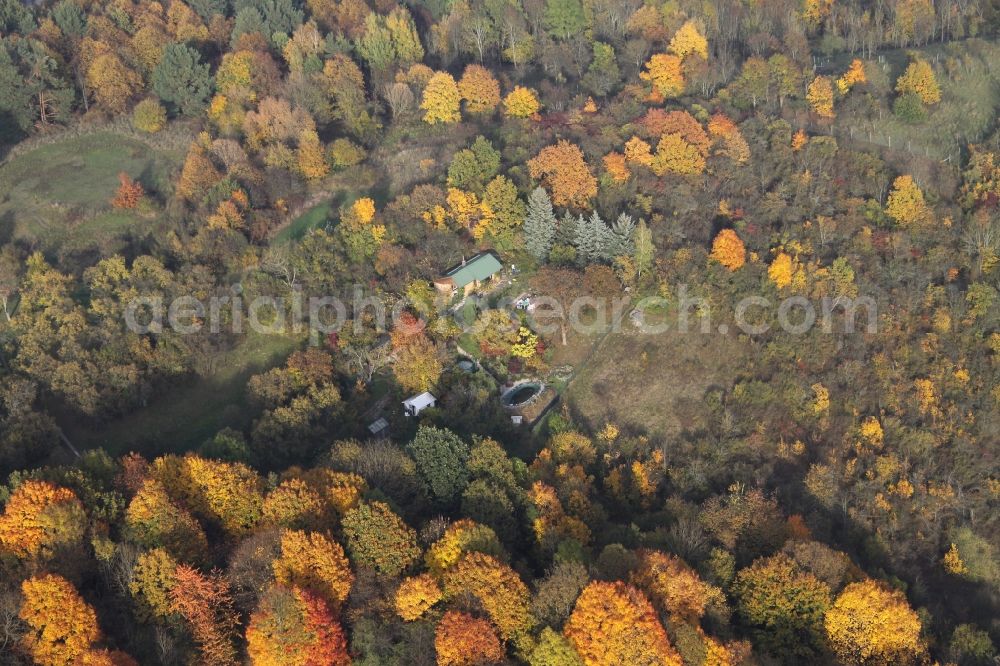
[(182, 80), (441, 456), (473, 167), (564, 18)]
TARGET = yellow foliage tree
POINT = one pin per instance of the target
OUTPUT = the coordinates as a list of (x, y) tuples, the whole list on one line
[(665, 73), (521, 102), (781, 270), (676, 155), (637, 150), (820, 97), (814, 11), (112, 83), (688, 40), (728, 250), (311, 157), (497, 587), (229, 494), (416, 595), (953, 563), (906, 203), (153, 519), (61, 625), (461, 537), (854, 75), (919, 79), (442, 101), (871, 625), (313, 561)]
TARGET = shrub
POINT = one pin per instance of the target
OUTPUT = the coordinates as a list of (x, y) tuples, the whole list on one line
[(149, 116), (909, 109)]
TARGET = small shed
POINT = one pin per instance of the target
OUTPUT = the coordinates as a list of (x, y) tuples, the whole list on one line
[(418, 403), (378, 427), (470, 275)]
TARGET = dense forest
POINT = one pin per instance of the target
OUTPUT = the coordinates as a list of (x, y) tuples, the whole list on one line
[(757, 488)]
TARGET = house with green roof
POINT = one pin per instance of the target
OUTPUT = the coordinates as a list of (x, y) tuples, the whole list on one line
[(470, 275)]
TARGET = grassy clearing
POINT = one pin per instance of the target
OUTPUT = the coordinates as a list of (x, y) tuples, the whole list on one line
[(183, 417), (315, 217), (59, 193), (651, 384), (970, 93)]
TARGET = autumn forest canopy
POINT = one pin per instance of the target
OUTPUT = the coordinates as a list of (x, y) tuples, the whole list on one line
[(514, 467)]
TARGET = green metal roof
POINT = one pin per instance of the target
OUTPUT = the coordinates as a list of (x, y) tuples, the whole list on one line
[(479, 267)]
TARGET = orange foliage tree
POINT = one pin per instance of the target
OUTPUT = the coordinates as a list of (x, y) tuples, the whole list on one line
[(315, 562), (40, 518), (854, 75), (614, 623), (615, 166), (207, 606), (294, 627), (61, 625), (674, 586), (728, 250), (129, 192), (563, 170), (464, 640)]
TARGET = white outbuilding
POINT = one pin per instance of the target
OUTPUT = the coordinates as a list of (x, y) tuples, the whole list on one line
[(418, 403)]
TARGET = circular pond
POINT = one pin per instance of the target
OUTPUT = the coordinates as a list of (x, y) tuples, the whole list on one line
[(465, 365), (521, 394)]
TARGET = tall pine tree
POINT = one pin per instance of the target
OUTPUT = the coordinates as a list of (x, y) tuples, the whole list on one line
[(539, 225), (588, 238)]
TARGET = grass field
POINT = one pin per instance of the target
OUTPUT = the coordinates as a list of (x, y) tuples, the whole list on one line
[(970, 93), (59, 194), (650, 384), (313, 218), (182, 418)]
